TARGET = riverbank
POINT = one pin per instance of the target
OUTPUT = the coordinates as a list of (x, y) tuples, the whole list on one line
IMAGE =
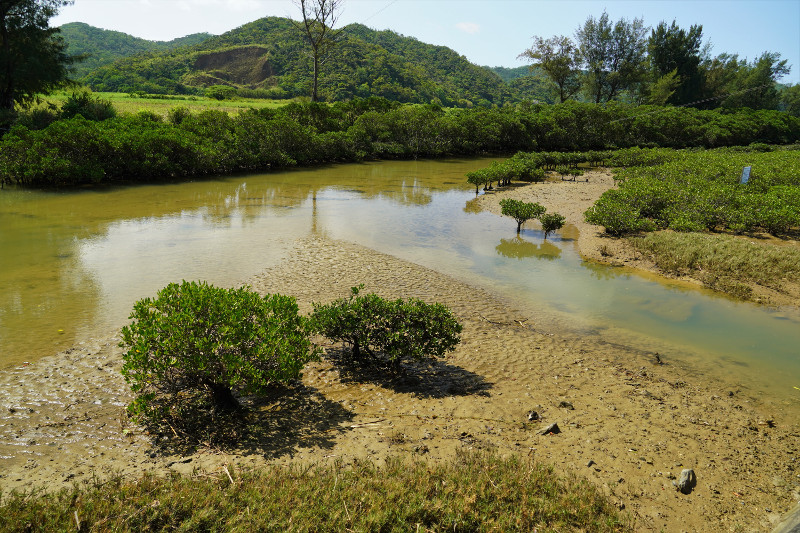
[(627, 424), (572, 199)]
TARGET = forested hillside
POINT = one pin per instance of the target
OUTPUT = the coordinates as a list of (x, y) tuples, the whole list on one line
[(268, 58), (101, 47)]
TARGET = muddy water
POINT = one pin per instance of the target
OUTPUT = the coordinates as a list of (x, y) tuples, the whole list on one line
[(72, 264)]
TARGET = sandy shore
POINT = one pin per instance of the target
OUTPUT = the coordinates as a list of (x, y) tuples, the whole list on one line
[(627, 424)]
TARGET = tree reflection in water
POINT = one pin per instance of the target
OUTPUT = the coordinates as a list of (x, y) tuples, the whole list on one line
[(519, 248)]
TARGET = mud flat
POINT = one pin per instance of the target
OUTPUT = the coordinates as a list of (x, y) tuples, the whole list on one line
[(626, 422)]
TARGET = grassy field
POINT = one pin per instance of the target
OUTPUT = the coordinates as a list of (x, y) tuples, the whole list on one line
[(126, 103), (473, 493), (724, 262)]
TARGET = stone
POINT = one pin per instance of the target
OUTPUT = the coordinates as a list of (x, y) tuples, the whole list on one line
[(687, 481), (566, 405), (552, 428), (532, 416)]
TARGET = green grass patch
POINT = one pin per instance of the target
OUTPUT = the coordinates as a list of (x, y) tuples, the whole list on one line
[(473, 492), (161, 104), (722, 262)]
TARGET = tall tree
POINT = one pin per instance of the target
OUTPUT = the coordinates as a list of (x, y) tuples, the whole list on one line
[(674, 49), (33, 57), (755, 84), (718, 75), (560, 59), (790, 100), (614, 56), (319, 18)]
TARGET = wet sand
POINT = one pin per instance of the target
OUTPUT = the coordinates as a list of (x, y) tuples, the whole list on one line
[(626, 423)]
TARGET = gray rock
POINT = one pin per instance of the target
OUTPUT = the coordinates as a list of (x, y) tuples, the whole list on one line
[(790, 522), (566, 405), (552, 428), (533, 415), (686, 481)]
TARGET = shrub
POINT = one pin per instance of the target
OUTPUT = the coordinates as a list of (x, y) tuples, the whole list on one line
[(88, 106), (221, 92), (199, 344), (520, 211), (616, 215), (37, 119), (551, 222), (397, 329)]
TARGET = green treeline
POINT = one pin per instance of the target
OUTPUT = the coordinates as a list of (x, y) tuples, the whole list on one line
[(145, 147)]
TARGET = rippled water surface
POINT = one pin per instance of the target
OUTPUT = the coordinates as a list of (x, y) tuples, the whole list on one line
[(73, 263)]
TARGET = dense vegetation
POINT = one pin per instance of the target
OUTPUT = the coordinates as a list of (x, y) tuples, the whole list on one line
[(143, 146), (700, 190), (268, 58), (472, 492), (99, 47)]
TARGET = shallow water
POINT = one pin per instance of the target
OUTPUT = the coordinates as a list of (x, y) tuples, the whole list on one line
[(72, 264)]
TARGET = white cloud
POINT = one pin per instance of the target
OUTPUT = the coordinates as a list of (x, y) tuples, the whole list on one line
[(468, 27)]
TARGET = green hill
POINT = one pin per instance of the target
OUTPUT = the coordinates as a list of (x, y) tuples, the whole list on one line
[(268, 57), (102, 47)]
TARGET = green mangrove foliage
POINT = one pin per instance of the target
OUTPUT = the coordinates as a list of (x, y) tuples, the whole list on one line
[(551, 222), (524, 211), (146, 147), (700, 190), (395, 329), (196, 344), (521, 211)]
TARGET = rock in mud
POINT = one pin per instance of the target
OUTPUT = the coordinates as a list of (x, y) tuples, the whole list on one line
[(552, 428), (687, 481)]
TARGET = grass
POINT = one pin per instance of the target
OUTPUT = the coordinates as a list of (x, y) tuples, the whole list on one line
[(723, 262), (125, 103), (473, 492)]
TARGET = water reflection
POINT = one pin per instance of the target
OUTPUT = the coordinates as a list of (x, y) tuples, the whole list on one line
[(77, 261), (519, 248), (473, 206), (72, 263)]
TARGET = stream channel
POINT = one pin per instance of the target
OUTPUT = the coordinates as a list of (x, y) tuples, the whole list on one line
[(73, 263)]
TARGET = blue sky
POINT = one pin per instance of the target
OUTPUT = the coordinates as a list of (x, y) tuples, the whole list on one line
[(489, 33)]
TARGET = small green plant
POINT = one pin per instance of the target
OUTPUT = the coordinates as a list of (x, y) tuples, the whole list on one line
[(199, 344), (521, 211), (397, 329), (87, 105), (551, 222), (221, 92)]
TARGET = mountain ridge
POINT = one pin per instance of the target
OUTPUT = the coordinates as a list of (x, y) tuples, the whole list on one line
[(268, 58)]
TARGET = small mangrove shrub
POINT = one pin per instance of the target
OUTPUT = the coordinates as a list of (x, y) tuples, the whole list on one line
[(521, 211), (196, 344), (551, 222), (395, 329)]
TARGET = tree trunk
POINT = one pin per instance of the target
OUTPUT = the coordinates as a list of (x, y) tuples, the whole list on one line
[(314, 97), (223, 397)]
